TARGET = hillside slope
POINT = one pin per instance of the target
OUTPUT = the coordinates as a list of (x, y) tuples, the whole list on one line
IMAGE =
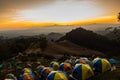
[(92, 40), (65, 47)]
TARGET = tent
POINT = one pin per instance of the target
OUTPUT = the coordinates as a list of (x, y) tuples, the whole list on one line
[(82, 72), (57, 75), (101, 65), (54, 65), (80, 61), (26, 70), (1, 65), (46, 71), (113, 61), (65, 67), (26, 76), (10, 76)]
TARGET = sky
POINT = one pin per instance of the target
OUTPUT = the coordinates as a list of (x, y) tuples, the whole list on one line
[(20, 14)]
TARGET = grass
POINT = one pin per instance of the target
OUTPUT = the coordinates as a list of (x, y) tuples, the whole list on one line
[(112, 75)]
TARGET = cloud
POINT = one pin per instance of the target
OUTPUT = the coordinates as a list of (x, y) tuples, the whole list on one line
[(110, 6), (8, 8)]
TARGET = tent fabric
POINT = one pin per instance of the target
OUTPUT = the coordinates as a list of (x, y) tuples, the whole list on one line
[(26, 77), (1, 65), (54, 65), (84, 58), (10, 76), (46, 71), (113, 61), (39, 68), (27, 70), (82, 72), (101, 65), (97, 58), (65, 67), (68, 61), (80, 61), (57, 75)]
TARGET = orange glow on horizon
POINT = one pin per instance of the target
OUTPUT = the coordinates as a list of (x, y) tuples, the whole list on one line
[(26, 24)]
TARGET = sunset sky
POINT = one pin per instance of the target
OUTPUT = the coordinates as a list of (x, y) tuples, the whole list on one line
[(31, 13)]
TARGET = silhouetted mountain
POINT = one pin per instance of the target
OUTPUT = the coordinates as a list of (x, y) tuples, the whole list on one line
[(54, 36), (92, 40), (114, 33)]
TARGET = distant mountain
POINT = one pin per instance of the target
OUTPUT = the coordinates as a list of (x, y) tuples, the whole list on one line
[(102, 32), (91, 40), (97, 27), (113, 34), (110, 32), (35, 31), (101, 29), (54, 36)]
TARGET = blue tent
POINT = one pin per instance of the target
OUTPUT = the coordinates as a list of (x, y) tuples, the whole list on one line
[(1, 65), (57, 75), (101, 65), (113, 61), (82, 72)]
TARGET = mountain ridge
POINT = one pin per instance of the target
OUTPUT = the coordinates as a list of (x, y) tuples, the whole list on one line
[(91, 40)]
